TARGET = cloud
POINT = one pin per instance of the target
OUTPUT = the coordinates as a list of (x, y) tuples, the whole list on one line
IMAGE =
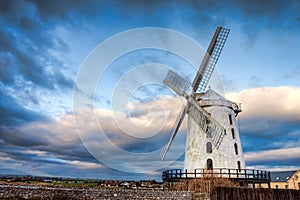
[(269, 102), (26, 46), (270, 117), (56, 143), (284, 156), (65, 9), (143, 126), (12, 113), (30, 66)]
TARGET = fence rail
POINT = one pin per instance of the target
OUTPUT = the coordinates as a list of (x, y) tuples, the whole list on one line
[(242, 175)]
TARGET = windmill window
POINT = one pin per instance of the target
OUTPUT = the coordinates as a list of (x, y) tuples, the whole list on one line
[(236, 149), (233, 135), (277, 178), (230, 119), (239, 165), (209, 164), (208, 147), (276, 186)]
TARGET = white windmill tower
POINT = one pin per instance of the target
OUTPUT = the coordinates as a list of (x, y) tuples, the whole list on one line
[(212, 135)]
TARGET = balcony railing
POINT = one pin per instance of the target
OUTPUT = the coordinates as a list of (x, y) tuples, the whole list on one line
[(248, 175)]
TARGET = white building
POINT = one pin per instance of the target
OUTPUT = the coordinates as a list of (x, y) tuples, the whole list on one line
[(200, 152)]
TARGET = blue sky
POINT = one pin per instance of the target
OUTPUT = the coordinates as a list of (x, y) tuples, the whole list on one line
[(44, 43)]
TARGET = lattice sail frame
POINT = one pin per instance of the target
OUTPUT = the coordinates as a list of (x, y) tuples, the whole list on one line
[(213, 59)]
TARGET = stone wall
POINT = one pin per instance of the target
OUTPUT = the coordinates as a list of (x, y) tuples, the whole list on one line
[(45, 192)]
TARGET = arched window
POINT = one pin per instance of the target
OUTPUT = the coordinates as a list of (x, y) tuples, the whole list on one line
[(239, 165), (232, 132), (236, 149), (209, 164), (208, 147), (230, 119)]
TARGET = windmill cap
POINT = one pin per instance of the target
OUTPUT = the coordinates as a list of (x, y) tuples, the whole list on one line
[(212, 98)]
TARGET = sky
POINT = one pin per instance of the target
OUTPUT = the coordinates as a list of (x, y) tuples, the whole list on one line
[(51, 125)]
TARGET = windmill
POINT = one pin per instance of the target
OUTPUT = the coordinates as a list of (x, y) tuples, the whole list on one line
[(212, 135)]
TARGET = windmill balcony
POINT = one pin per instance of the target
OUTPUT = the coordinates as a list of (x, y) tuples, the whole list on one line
[(250, 176)]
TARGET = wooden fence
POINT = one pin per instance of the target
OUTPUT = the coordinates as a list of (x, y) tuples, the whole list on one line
[(222, 193), (246, 176)]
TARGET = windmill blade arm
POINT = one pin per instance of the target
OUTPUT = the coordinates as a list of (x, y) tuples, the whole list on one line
[(210, 59), (204, 112), (177, 83), (174, 131), (206, 121)]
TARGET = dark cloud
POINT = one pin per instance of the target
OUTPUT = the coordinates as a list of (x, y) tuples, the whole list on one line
[(20, 144), (14, 114), (27, 23), (25, 60), (66, 10), (25, 45), (210, 13), (276, 162), (14, 137), (262, 134)]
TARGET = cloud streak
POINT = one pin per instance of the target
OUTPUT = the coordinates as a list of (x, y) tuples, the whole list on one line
[(269, 102), (274, 155)]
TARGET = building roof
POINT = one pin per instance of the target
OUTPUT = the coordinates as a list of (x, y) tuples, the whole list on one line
[(282, 176), (211, 97)]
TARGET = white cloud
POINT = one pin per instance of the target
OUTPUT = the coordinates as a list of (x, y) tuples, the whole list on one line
[(155, 115), (142, 119), (269, 102), (60, 139), (273, 155), (4, 157), (85, 165), (274, 168)]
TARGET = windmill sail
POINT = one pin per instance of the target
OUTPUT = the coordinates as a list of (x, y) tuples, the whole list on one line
[(177, 83), (182, 88), (207, 123), (213, 58), (210, 59), (174, 132)]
